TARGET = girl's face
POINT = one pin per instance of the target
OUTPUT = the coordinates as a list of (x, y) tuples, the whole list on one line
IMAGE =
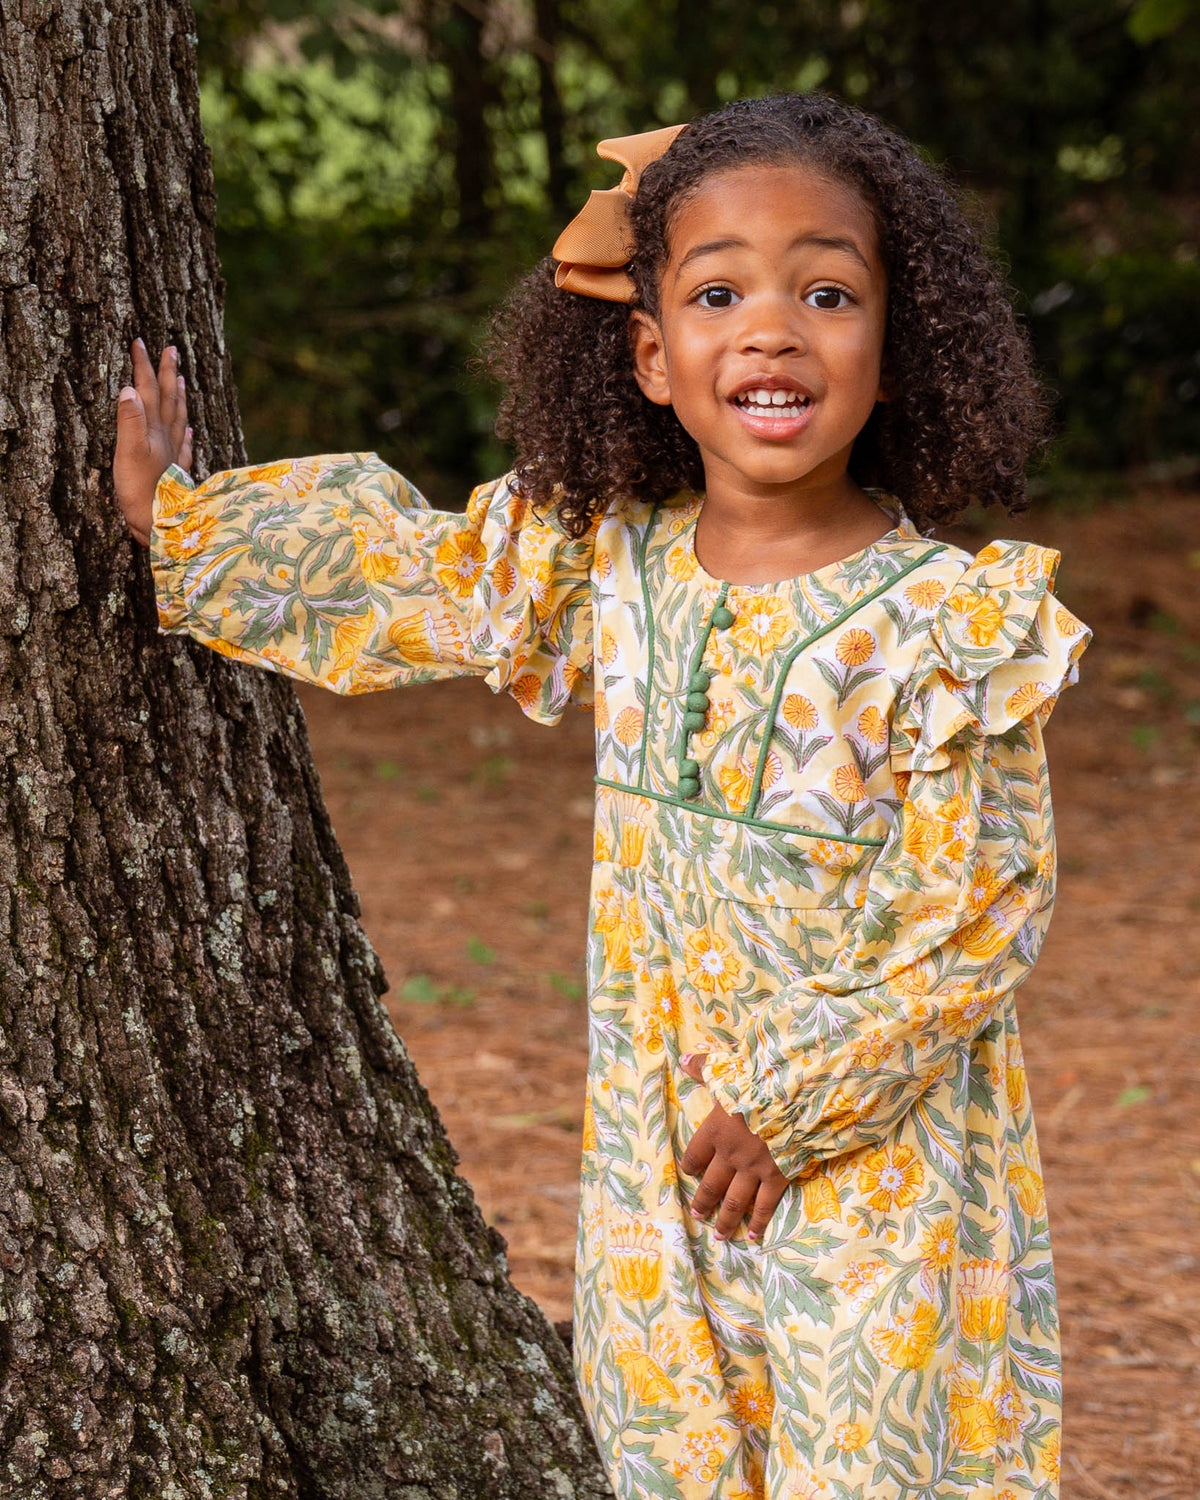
[(769, 339)]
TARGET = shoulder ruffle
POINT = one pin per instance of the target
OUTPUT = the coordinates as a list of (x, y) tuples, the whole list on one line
[(1000, 650)]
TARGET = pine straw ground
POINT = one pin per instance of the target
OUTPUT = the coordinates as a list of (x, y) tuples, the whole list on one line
[(468, 833)]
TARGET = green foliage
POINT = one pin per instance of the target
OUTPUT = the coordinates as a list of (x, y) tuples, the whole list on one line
[(384, 174)]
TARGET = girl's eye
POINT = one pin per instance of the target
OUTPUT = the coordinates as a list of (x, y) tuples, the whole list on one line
[(827, 298), (716, 297)]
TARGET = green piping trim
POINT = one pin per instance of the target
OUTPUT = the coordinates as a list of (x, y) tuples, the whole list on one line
[(645, 750), (781, 680), (696, 663), (732, 817)]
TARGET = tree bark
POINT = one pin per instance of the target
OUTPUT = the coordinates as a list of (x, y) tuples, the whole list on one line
[(235, 1259)]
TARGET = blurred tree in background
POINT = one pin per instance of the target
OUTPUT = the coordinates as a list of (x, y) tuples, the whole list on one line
[(386, 170)]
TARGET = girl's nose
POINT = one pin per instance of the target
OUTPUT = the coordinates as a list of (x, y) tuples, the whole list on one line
[(771, 327)]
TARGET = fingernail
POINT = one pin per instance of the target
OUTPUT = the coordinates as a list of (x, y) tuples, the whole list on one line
[(141, 343), (754, 1235), (182, 383), (717, 1235), (127, 394), (189, 432), (685, 1058)]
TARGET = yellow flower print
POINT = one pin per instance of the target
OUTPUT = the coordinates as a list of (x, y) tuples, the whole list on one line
[(906, 1341), (349, 637), (635, 1261), (855, 647), (736, 780), (1051, 1457), (609, 919), (861, 1281), (268, 473), (1014, 1076), (1028, 697), (372, 559), (956, 829), (834, 856), (459, 563), (982, 1299), (842, 1110), (872, 1050), (967, 1010), (701, 1455), (926, 593), (608, 647), (1002, 911), (680, 562), (699, 1347), (939, 1246), (645, 1379), (527, 689), (589, 1125), (849, 1437), (539, 579), (1010, 1409), (972, 1416), (710, 964), (753, 1404), (803, 1482), (922, 837), (627, 727), (982, 615), (182, 542), (600, 708), (799, 712), (424, 638), (1066, 622), (504, 577), (893, 1177), (762, 624), (1027, 1187), (847, 784), (993, 552), (820, 1199), (633, 842), (872, 725), (601, 848), (721, 714), (647, 1034), (666, 999)]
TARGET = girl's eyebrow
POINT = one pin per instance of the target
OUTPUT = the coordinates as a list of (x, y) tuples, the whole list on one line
[(821, 241)]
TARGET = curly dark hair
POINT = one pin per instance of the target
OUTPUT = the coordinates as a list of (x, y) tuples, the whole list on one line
[(965, 410)]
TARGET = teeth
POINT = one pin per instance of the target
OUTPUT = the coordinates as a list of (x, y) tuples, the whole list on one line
[(764, 403)]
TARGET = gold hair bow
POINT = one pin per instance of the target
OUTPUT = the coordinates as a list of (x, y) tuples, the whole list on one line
[(596, 246)]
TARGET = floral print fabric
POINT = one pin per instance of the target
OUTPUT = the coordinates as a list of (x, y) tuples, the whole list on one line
[(837, 912)]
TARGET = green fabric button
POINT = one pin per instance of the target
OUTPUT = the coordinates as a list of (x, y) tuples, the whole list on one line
[(689, 786), (697, 703), (700, 681), (689, 768), (723, 618), (692, 722)]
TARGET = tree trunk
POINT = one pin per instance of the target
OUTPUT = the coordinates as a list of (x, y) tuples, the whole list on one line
[(235, 1259)]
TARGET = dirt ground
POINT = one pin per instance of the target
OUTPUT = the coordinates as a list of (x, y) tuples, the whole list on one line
[(468, 832)]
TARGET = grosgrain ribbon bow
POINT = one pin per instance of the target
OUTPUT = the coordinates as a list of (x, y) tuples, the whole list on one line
[(596, 246)]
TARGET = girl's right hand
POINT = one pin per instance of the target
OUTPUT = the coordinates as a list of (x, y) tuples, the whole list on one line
[(152, 432)]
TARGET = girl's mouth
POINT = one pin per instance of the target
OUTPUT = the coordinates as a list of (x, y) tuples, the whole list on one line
[(777, 405), (777, 414)]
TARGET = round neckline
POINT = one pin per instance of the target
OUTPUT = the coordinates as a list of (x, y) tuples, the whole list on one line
[(893, 513)]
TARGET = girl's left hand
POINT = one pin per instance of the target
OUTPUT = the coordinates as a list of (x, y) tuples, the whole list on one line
[(739, 1172)]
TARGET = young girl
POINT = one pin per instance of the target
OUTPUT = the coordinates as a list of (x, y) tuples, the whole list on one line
[(813, 1255)]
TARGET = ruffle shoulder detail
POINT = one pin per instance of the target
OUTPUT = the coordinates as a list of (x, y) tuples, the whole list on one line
[(1000, 650)]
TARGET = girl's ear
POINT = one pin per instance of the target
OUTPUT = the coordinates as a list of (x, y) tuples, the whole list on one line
[(649, 358)]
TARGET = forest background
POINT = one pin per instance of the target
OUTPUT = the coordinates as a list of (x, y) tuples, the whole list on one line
[(385, 171)]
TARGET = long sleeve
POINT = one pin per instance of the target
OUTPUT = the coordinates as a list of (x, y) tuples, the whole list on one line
[(959, 897), (335, 570)]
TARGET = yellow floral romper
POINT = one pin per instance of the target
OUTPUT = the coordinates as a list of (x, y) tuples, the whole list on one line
[(824, 857)]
